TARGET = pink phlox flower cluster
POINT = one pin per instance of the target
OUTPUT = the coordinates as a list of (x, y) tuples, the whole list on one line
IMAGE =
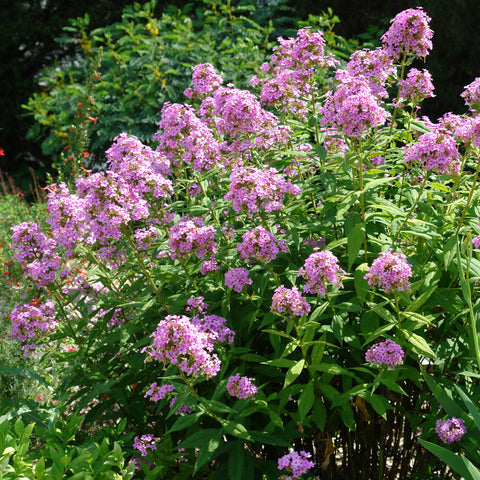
[(436, 151), (189, 236), (289, 301), (450, 430), (179, 342), (144, 237), (31, 322), (471, 94), (315, 242), (417, 86), (252, 189), (390, 271), (214, 326), (204, 81), (352, 108), (196, 305), (409, 33), (476, 241), (209, 266), (187, 137), (117, 317), (377, 161), (157, 393), (66, 215), (237, 278), (182, 409), (144, 443), (111, 203), (373, 65), (35, 252), (305, 51), (468, 131), (290, 72), (131, 159), (261, 244), (386, 353), (296, 464), (241, 387), (334, 142), (240, 118), (321, 268)]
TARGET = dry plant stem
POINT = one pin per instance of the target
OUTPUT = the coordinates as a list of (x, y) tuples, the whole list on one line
[(469, 199), (409, 214)]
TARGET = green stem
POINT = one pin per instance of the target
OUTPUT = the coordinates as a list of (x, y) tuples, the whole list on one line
[(399, 320), (409, 214)]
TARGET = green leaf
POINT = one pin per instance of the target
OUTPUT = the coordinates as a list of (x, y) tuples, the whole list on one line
[(293, 372), (380, 404), (184, 421), (445, 400), (235, 461), (419, 344), (460, 464), (319, 413), (207, 452), (25, 372), (361, 285), (470, 405), (354, 242), (306, 400), (236, 429), (199, 438)]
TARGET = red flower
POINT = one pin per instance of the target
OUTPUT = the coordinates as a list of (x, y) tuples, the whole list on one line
[(2, 152)]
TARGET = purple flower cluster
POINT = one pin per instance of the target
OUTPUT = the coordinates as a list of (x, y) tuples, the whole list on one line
[(187, 137), (321, 268), (417, 86), (142, 168), (237, 278), (352, 109), (215, 328), (410, 33), (157, 393), (260, 244), (252, 189), (182, 409), (189, 236), (290, 71), (468, 131), (386, 353), (450, 430), (390, 271), (289, 301), (31, 322), (471, 94), (373, 65), (35, 252), (240, 118), (204, 81), (296, 464), (435, 151), (144, 443), (241, 387), (179, 342)]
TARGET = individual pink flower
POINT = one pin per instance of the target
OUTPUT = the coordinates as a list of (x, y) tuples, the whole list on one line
[(289, 301), (320, 269), (241, 387), (296, 464), (410, 33), (390, 271), (450, 430), (435, 151), (386, 353), (237, 278), (260, 244), (417, 86)]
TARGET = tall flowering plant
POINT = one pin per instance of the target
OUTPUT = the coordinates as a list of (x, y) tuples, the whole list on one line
[(258, 284)]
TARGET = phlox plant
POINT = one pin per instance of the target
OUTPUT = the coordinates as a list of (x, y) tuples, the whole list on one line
[(262, 292)]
